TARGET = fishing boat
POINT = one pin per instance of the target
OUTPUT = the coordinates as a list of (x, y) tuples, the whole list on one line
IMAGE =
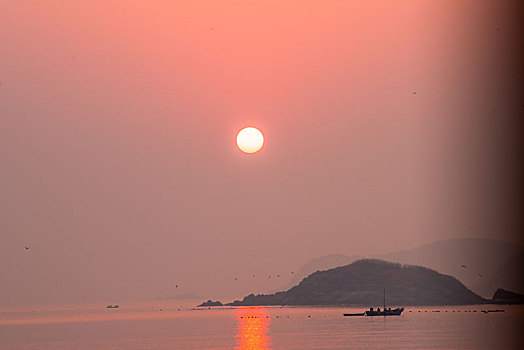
[(378, 312), (385, 311), (112, 306)]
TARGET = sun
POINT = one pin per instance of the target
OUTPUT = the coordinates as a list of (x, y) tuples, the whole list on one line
[(250, 140)]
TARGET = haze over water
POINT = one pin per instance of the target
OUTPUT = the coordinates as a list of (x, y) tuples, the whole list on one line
[(387, 126), (177, 326)]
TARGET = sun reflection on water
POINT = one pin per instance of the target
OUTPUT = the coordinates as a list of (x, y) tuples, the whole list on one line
[(253, 328)]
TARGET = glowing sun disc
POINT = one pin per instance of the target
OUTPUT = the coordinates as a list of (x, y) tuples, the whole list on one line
[(250, 140)]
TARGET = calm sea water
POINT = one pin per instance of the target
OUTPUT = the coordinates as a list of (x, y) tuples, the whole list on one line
[(172, 326)]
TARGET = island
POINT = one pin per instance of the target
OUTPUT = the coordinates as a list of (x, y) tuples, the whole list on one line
[(503, 296), (211, 303), (362, 284)]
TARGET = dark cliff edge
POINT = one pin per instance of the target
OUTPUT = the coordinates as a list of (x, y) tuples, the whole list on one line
[(362, 283)]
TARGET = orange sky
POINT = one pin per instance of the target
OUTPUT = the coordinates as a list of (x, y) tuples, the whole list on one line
[(118, 122)]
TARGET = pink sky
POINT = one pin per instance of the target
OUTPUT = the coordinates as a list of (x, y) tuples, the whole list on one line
[(118, 122)]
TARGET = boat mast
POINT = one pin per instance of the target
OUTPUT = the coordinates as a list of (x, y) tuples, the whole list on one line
[(384, 298)]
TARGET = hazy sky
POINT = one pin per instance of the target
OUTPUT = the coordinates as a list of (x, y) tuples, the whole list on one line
[(387, 124)]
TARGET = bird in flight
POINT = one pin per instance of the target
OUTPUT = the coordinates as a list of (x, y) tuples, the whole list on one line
[(464, 266), (26, 248)]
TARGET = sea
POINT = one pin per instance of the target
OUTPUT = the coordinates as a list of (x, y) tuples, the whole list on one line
[(179, 325)]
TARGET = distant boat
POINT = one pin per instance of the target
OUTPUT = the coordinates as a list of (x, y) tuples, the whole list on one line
[(385, 311), (112, 306), (486, 311), (378, 312)]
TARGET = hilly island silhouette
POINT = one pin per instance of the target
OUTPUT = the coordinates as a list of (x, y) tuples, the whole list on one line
[(362, 283), (482, 265)]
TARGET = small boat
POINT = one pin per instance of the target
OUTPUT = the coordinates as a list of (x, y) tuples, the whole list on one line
[(112, 306), (378, 312), (385, 312), (486, 311)]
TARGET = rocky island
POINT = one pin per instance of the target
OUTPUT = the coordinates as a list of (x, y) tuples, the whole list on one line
[(503, 296), (211, 303), (362, 283)]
